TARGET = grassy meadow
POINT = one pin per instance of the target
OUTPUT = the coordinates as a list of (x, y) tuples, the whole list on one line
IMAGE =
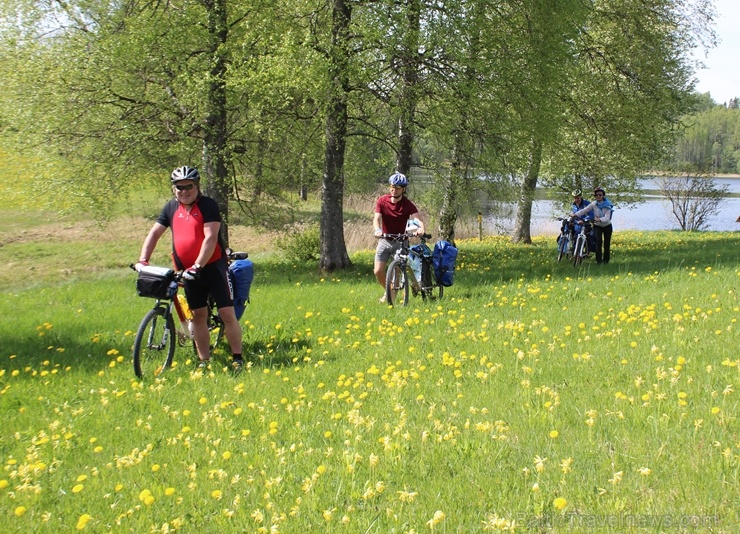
[(535, 397)]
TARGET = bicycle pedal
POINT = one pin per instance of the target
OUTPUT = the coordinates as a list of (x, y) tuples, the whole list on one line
[(182, 338)]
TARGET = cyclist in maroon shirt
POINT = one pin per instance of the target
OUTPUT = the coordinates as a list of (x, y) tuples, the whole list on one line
[(392, 214), (195, 221)]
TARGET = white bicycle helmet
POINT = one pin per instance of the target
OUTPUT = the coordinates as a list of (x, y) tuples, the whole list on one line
[(185, 173)]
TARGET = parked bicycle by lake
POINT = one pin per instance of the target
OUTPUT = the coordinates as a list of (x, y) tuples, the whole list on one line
[(411, 271), (169, 320)]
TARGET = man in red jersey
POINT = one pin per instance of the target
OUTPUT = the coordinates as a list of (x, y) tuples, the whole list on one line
[(195, 221), (392, 214)]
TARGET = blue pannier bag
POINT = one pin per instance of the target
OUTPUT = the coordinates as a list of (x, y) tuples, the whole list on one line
[(242, 274), (443, 260)]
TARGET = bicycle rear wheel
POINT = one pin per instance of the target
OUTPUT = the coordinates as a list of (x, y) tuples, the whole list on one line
[(154, 345), (429, 287), (397, 283)]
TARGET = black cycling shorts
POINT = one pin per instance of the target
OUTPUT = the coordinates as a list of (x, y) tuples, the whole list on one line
[(214, 280)]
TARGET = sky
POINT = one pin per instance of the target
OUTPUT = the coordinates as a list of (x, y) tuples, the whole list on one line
[(721, 78)]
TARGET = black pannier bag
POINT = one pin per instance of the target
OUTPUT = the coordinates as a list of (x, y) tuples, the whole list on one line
[(156, 282)]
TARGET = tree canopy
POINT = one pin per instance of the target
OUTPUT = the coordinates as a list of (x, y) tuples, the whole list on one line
[(335, 95)]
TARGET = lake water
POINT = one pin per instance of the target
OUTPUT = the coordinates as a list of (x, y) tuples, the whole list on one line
[(651, 214)]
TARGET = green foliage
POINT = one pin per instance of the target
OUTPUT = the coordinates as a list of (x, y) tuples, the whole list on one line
[(538, 385), (101, 94), (301, 243), (709, 143)]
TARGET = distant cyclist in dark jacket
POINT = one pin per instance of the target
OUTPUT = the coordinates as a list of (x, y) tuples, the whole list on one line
[(602, 209), (580, 203), (195, 222)]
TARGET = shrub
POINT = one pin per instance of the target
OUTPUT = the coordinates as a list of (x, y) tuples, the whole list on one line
[(301, 243)]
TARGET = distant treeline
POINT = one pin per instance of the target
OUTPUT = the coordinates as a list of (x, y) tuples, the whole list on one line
[(710, 141)]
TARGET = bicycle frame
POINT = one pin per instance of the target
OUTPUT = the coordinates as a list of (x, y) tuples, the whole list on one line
[(580, 249), (400, 276)]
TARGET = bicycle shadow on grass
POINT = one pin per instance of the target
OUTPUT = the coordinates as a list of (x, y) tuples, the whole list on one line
[(52, 354)]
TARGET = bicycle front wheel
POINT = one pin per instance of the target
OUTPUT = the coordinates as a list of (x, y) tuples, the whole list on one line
[(154, 345), (397, 283), (578, 252), (562, 246), (429, 288)]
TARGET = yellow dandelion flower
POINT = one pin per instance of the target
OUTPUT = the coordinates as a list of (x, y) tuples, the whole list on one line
[(169, 491), (554, 434), (83, 520), (226, 455), (4, 484), (560, 503), (78, 488), (436, 519), (217, 494), (19, 511), (155, 468)]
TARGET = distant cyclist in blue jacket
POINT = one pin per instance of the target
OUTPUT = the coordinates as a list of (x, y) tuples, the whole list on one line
[(580, 203), (602, 209)]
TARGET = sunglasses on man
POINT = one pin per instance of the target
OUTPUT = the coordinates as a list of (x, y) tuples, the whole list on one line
[(184, 187)]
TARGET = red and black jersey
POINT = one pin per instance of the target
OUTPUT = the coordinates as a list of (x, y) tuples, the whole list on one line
[(187, 228)]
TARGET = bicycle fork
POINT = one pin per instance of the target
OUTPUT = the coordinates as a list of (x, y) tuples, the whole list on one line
[(183, 331)]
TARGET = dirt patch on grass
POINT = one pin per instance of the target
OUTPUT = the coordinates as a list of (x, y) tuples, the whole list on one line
[(135, 229), (60, 231)]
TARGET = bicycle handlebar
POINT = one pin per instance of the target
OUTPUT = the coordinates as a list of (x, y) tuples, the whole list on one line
[(401, 236), (568, 219), (231, 255)]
